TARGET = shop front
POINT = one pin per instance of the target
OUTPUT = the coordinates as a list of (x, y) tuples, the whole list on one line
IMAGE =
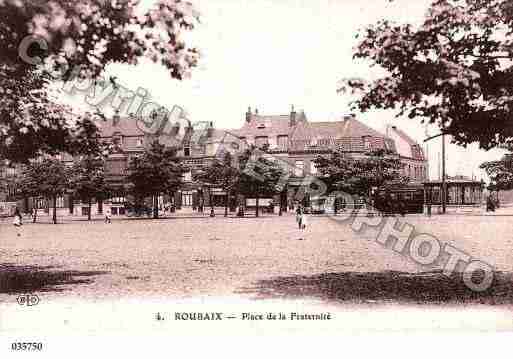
[(460, 196)]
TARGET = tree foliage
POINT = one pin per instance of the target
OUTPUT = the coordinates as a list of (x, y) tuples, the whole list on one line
[(158, 170), (500, 172), (48, 178), (80, 39), (357, 176), (222, 174), (259, 175), (454, 69), (88, 180), (33, 124)]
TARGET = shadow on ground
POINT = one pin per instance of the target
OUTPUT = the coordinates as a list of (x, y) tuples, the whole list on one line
[(28, 279), (385, 287)]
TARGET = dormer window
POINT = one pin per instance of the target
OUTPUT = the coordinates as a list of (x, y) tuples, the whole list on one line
[(367, 143), (117, 139)]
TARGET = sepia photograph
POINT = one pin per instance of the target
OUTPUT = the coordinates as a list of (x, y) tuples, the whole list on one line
[(218, 168)]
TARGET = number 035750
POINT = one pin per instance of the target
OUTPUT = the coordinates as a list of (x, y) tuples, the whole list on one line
[(26, 346)]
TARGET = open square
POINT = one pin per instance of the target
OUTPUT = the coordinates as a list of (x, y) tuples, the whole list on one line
[(250, 258)]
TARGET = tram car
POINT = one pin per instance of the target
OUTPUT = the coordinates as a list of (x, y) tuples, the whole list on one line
[(400, 199)]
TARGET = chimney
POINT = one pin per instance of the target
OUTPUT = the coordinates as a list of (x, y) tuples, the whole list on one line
[(248, 115), (351, 116), (292, 121), (210, 130), (116, 118)]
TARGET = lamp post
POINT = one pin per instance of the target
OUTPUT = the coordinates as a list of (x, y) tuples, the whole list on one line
[(444, 184)]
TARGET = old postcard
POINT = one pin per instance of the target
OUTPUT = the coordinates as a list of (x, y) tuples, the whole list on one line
[(217, 168)]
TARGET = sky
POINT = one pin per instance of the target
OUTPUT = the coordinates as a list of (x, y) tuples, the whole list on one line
[(271, 54)]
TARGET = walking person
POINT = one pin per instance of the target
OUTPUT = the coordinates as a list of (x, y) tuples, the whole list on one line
[(304, 221), (107, 216), (299, 212), (17, 221)]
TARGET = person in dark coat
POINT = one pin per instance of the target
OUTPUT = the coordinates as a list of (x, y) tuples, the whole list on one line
[(17, 221)]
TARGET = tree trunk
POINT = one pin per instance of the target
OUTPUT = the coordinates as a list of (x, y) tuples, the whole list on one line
[(227, 200), (156, 206), (34, 219), (257, 207), (89, 212), (54, 209), (280, 213), (212, 213)]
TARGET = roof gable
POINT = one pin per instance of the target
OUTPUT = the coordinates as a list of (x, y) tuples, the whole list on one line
[(127, 126)]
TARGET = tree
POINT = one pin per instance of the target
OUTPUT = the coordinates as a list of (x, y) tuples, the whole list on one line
[(500, 173), (76, 40), (358, 176), (31, 123), (48, 178), (259, 175), (158, 170), (454, 70), (220, 173), (87, 175), (88, 181)]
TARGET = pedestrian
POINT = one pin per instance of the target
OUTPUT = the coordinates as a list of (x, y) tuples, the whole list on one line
[(304, 221), (17, 221), (107, 216), (299, 213)]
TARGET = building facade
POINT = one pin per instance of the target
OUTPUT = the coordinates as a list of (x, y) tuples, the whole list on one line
[(291, 137)]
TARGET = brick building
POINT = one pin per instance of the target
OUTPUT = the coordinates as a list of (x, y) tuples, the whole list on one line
[(291, 137)]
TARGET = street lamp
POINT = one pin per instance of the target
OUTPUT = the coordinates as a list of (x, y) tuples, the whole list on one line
[(444, 185)]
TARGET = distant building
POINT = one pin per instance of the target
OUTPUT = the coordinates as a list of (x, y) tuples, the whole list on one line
[(290, 137), (416, 165)]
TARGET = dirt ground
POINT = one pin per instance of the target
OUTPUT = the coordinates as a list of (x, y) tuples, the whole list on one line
[(251, 258)]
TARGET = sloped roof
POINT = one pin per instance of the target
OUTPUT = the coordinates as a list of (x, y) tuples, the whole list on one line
[(347, 135), (278, 125), (416, 150), (127, 126)]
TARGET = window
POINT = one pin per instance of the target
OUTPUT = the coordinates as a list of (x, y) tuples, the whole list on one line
[(313, 168), (367, 142), (117, 139), (324, 142), (115, 167), (187, 177), (436, 195), (299, 168), (186, 151), (119, 200), (140, 142), (242, 143), (283, 142), (261, 141)]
